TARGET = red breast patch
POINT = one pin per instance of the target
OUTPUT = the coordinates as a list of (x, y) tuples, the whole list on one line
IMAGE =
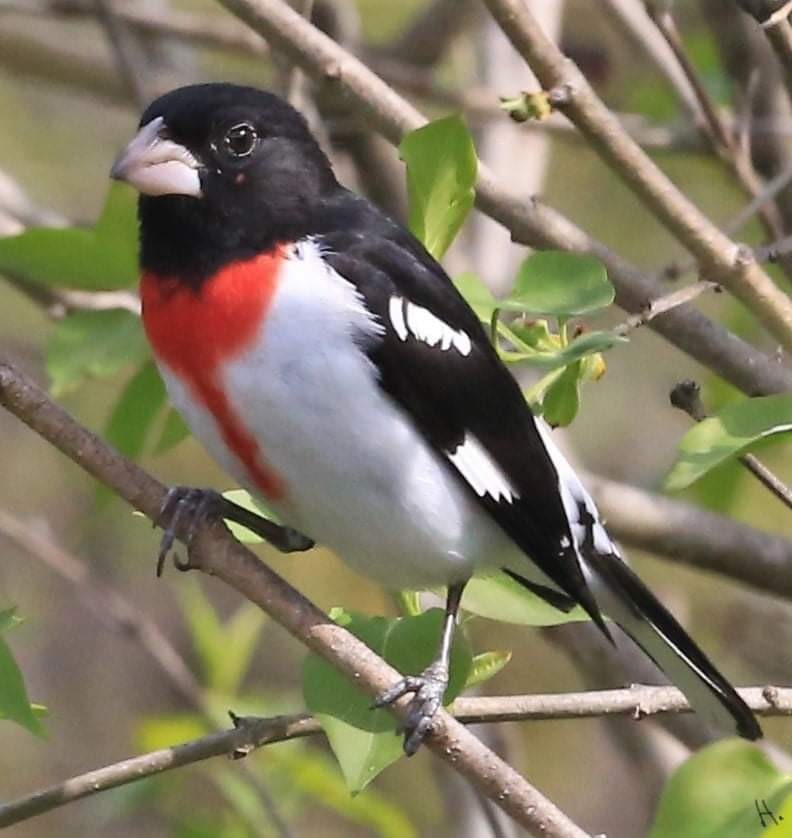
[(195, 332)]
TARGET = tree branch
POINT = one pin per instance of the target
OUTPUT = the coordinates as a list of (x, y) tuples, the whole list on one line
[(637, 702), (684, 533), (214, 551), (234, 743), (780, 37), (722, 260), (530, 223), (773, 17)]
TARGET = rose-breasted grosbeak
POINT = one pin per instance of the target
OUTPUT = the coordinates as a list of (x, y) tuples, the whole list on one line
[(325, 359)]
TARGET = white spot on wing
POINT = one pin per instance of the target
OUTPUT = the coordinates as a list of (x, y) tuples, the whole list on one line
[(462, 343), (396, 313), (573, 495), (426, 327), (477, 467)]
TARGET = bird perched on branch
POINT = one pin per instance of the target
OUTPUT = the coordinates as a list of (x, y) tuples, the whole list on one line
[(327, 362)]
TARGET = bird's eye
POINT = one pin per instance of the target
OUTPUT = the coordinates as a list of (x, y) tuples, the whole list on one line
[(240, 140)]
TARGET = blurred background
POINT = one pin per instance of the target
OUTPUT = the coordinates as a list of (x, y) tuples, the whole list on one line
[(73, 77)]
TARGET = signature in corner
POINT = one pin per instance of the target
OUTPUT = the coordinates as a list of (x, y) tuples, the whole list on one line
[(765, 813)]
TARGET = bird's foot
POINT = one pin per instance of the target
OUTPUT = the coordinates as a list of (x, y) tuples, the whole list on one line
[(428, 690), (185, 505)]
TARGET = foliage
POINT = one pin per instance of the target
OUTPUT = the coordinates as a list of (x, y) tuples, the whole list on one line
[(295, 773), (363, 739), (102, 258), (14, 703), (722, 792), (498, 597), (441, 172), (733, 430), (711, 795), (94, 344)]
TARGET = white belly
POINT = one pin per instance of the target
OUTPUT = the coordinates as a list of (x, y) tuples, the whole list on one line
[(358, 477)]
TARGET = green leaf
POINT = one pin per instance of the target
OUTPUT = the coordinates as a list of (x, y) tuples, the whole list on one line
[(104, 257), (441, 173), (243, 796), (409, 603), (499, 597), (562, 399), (241, 633), (225, 649), (93, 343), (558, 283), (14, 702), (206, 630), (136, 410), (311, 773), (485, 666), (365, 740), (478, 296), (727, 434), (9, 619), (164, 731), (174, 430), (587, 344), (714, 794)]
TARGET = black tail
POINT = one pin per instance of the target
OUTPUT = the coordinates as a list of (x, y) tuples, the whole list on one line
[(626, 600)]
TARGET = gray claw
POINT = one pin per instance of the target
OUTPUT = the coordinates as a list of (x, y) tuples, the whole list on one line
[(428, 690), (183, 502)]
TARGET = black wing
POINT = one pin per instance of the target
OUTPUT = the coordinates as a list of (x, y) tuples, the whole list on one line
[(436, 362)]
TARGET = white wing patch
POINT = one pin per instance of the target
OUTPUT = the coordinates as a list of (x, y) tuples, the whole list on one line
[(409, 318), (573, 496), (477, 467), (396, 313)]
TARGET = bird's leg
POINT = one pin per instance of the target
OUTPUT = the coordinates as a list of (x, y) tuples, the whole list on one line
[(193, 506), (429, 687)]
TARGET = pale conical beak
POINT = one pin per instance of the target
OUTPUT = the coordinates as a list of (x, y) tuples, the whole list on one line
[(155, 165)]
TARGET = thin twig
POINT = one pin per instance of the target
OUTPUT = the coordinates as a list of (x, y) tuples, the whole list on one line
[(214, 551), (58, 302), (234, 743), (124, 616), (687, 397), (712, 125), (127, 60), (771, 252), (664, 304), (773, 17), (780, 37), (295, 78), (768, 193), (631, 18), (682, 532), (109, 606), (532, 222), (765, 253), (636, 702), (731, 148), (723, 260)]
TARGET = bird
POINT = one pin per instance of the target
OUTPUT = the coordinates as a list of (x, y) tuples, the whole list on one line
[(328, 363)]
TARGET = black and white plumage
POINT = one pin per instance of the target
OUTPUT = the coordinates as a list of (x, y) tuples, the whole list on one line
[(371, 389)]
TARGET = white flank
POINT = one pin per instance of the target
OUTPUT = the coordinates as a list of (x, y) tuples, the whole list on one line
[(476, 466), (358, 475), (426, 327), (573, 494)]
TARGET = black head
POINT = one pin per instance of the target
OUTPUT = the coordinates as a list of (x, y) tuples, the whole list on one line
[(224, 172)]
